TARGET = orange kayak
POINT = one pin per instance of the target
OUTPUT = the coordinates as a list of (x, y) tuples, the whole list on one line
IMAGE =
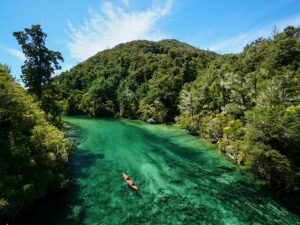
[(129, 181)]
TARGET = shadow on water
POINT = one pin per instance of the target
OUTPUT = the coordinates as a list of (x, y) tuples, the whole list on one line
[(65, 206), (259, 201), (204, 191), (154, 141), (288, 201)]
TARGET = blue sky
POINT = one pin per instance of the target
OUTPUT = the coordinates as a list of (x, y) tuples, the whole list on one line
[(81, 28)]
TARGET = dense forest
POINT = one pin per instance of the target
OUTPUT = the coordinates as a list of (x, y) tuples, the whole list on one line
[(34, 153), (247, 104), (33, 149), (141, 79)]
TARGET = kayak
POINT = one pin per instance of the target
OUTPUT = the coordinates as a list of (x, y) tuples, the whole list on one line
[(129, 181)]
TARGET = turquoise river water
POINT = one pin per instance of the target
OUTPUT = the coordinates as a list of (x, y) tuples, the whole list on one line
[(181, 179)]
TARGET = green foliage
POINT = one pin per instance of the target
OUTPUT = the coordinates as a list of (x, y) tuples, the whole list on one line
[(97, 101), (276, 126), (52, 105), (246, 103), (73, 103), (140, 79), (271, 166), (128, 103), (40, 62), (155, 111), (38, 68), (34, 154)]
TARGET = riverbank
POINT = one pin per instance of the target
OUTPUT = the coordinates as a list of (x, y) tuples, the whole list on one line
[(181, 180)]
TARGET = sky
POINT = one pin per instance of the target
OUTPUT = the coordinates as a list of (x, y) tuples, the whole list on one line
[(80, 28)]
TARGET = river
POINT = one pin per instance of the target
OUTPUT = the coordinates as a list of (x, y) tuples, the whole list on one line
[(182, 180)]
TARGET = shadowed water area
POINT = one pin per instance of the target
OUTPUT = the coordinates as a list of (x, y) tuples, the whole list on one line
[(181, 179)]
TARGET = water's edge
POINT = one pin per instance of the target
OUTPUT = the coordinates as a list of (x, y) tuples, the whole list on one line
[(182, 161)]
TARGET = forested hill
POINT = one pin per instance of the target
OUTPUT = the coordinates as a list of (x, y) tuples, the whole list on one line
[(139, 79), (248, 104)]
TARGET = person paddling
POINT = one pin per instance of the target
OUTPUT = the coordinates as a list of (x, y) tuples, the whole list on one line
[(129, 181)]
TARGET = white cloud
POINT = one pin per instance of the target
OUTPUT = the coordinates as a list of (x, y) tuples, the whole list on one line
[(237, 43), (113, 25), (16, 53)]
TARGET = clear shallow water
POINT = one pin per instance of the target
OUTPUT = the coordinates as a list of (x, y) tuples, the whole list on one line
[(181, 181)]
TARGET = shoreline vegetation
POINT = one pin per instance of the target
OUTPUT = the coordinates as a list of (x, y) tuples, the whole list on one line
[(158, 156), (246, 104), (34, 153), (34, 150)]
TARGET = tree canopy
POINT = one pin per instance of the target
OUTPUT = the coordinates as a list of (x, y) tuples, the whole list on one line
[(40, 62), (246, 103), (34, 153), (38, 68)]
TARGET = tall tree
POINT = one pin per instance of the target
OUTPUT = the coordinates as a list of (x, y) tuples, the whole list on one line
[(40, 62)]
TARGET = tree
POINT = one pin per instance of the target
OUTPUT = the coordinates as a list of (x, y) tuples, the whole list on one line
[(98, 100), (127, 103), (40, 62), (33, 153)]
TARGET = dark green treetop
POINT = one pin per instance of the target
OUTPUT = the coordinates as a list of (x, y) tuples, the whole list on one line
[(40, 62)]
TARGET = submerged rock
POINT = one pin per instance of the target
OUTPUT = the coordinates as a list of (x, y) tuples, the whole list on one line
[(151, 120)]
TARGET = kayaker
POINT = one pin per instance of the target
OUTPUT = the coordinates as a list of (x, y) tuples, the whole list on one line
[(129, 181)]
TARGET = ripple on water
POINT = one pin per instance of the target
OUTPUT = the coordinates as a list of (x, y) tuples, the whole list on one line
[(181, 179)]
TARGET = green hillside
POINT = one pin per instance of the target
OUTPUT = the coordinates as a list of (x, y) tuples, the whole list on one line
[(248, 104), (140, 79)]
